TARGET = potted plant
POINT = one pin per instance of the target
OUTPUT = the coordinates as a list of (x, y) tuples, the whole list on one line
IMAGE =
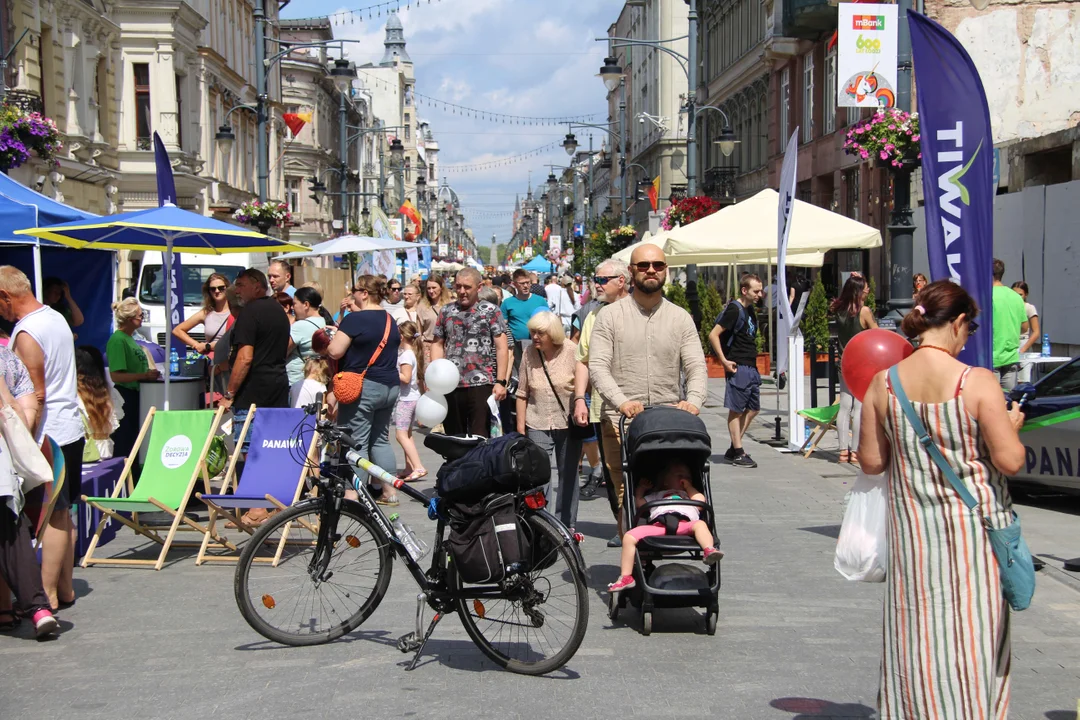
[(890, 137), (622, 235), (815, 323), (263, 215), (764, 359), (22, 132), (711, 304), (688, 210)]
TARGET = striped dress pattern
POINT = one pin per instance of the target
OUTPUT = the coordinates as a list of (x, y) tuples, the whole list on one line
[(946, 648)]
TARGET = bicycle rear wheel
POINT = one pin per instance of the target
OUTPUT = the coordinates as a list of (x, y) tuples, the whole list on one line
[(539, 626), (293, 590)]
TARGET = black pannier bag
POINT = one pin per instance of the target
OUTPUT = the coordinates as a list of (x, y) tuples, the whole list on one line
[(486, 539), (506, 464)]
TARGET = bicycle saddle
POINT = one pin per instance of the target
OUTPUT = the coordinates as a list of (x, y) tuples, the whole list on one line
[(452, 447)]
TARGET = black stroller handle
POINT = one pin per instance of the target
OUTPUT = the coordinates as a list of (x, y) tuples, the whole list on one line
[(707, 515)]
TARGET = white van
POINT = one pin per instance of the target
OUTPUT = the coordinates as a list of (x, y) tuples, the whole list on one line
[(150, 287)]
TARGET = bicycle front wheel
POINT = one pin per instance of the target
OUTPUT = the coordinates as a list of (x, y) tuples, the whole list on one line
[(541, 622), (299, 583)]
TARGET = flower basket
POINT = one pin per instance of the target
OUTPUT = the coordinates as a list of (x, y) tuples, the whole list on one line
[(890, 137), (624, 235), (688, 210), (263, 214), (22, 132)]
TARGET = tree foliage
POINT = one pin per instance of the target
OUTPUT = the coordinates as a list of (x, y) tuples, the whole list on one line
[(815, 322)]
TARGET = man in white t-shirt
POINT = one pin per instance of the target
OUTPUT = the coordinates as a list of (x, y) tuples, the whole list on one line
[(560, 300), (42, 339)]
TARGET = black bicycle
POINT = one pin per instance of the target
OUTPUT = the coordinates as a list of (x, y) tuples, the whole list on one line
[(317, 570)]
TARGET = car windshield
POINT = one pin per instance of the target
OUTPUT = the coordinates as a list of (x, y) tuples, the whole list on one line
[(152, 287), (1064, 381)]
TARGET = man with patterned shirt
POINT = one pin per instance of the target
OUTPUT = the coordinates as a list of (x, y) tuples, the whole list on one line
[(472, 335)]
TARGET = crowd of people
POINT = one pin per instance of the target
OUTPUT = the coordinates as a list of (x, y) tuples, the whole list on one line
[(565, 363)]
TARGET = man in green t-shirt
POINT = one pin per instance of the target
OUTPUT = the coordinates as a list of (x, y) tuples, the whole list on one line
[(1010, 321)]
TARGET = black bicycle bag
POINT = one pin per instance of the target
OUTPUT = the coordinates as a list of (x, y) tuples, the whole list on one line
[(486, 540), (506, 464)]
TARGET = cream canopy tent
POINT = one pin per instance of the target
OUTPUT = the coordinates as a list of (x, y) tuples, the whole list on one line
[(746, 233), (800, 259)]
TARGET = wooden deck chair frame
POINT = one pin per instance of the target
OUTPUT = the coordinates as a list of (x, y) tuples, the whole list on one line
[(153, 532), (234, 514), (818, 434)]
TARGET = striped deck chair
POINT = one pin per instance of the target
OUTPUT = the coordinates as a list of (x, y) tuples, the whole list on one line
[(175, 460), (280, 458)]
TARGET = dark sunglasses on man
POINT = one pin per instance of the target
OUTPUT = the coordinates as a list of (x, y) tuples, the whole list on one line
[(602, 280), (657, 265)]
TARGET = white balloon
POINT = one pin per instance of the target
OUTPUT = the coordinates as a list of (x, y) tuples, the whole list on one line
[(431, 409), (442, 377)]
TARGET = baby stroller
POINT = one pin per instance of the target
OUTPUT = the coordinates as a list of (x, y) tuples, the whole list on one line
[(654, 438)]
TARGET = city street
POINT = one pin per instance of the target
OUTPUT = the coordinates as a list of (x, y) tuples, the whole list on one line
[(795, 640)]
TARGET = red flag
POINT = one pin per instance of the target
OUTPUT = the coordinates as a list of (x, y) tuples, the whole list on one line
[(409, 211), (654, 193), (547, 234), (296, 121)]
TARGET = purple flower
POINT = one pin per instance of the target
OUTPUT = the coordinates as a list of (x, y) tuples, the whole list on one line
[(915, 138), (884, 155), (863, 154)]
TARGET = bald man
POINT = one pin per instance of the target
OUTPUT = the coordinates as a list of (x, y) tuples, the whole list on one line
[(638, 347)]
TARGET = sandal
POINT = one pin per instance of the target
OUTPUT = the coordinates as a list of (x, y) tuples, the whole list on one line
[(391, 501), (845, 457), (415, 475), (11, 623), (854, 458)]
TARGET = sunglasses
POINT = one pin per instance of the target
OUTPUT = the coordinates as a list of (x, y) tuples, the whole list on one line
[(217, 288), (394, 289), (972, 327), (603, 279), (657, 265)]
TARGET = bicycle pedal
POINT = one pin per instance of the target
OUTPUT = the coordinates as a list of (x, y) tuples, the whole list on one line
[(409, 642)]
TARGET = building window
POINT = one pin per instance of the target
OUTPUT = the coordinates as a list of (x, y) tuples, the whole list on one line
[(431, 172), (785, 105), (180, 111), (828, 108), (101, 91), (292, 194), (143, 120), (851, 186), (408, 170), (408, 126), (808, 98), (854, 114)]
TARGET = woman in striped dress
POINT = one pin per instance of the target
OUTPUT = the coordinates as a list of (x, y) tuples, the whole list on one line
[(946, 650)]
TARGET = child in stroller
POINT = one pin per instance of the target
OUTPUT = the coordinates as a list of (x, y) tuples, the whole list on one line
[(675, 483)]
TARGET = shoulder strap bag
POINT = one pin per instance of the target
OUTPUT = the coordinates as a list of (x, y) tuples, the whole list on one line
[(348, 385), (1010, 549), (577, 432)]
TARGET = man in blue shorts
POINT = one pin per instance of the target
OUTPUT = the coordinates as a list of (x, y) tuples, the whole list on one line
[(734, 340)]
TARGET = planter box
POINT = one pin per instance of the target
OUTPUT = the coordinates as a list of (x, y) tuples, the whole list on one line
[(714, 368), (822, 358), (764, 364)]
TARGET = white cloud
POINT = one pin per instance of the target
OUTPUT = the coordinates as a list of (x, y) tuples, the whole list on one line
[(528, 57)]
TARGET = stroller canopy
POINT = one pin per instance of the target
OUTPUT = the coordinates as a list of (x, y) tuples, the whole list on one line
[(665, 429)]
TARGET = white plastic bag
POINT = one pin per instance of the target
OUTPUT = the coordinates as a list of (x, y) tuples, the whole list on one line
[(862, 551)]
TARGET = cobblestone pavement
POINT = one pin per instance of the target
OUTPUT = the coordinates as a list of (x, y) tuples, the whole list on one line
[(795, 640)]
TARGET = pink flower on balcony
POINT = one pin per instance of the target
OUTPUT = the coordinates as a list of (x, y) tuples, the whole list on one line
[(864, 155)]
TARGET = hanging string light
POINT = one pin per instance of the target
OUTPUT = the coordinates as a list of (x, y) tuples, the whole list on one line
[(501, 162)]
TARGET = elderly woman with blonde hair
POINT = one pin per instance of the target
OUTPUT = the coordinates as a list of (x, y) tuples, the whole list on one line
[(128, 366), (544, 398)]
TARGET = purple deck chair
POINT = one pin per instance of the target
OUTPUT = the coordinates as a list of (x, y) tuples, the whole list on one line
[(279, 460)]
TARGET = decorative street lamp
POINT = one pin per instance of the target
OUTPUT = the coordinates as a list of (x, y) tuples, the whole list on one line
[(343, 74), (225, 139), (570, 144), (611, 73), (397, 152)]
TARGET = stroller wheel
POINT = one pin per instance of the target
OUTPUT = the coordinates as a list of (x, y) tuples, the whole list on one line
[(710, 622), (613, 606), (646, 623)]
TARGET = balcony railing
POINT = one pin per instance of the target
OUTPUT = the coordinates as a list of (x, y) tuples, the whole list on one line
[(26, 100), (808, 18)]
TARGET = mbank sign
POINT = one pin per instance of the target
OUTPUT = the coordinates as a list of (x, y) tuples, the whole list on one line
[(868, 22)]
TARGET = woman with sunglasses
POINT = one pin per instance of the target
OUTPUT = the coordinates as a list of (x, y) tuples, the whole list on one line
[(852, 318), (214, 316), (946, 623)]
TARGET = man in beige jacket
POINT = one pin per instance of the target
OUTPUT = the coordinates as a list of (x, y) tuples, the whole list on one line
[(640, 348)]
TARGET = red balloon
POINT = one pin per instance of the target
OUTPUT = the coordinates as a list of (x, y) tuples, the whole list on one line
[(868, 353)]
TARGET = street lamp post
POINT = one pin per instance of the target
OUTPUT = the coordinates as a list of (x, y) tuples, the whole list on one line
[(901, 228), (570, 144)]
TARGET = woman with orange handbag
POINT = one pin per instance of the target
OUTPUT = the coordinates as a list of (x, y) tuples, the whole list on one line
[(366, 344)]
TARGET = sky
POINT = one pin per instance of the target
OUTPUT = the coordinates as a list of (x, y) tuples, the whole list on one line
[(534, 58)]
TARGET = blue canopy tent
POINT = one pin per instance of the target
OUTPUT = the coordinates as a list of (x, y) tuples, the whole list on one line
[(21, 208), (540, 265)]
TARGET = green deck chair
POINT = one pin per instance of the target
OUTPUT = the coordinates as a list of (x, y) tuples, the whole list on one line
[(175, 460), (824, 420)]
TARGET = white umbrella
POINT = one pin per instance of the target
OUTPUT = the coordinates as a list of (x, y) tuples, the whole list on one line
[(747, 230), (351, 244)]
